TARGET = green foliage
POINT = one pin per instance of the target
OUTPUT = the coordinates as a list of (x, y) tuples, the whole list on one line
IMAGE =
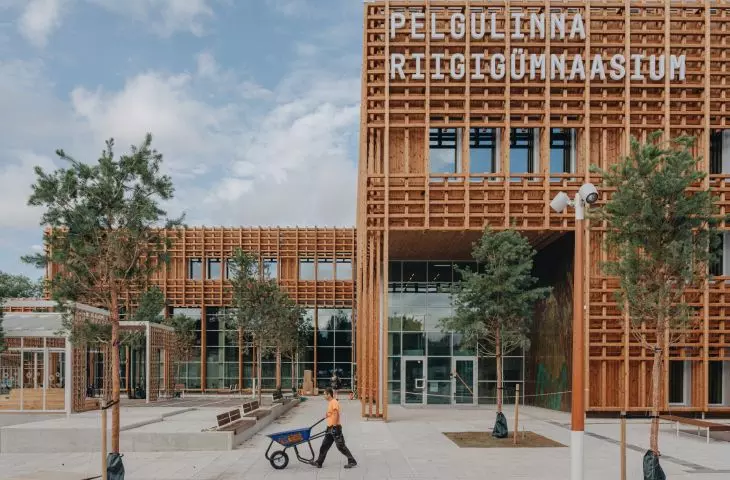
[(16, 286), (19, 286), (82, 332), (184, 343), (151, 306), (663, 236), (103, 221), (2, 331), (260, 308), (498, 302)]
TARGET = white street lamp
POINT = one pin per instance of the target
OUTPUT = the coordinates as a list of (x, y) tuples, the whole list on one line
[(587, 195)]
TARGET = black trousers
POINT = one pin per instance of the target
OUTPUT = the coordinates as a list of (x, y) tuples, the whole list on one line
[(334, 435)]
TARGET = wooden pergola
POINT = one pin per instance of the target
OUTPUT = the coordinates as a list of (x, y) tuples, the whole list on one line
[(34, 326)]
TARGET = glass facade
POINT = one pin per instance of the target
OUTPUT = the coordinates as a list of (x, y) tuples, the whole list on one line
[(419, 299), (329, 349), (188, 373), (334, 346)]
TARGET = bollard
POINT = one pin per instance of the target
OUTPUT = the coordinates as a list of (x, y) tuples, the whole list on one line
[(517, 415), (103, 440)]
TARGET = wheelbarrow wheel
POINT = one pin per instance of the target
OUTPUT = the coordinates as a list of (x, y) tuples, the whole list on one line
[(279, 460)]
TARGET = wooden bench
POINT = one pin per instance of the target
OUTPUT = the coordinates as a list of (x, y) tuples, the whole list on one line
[(700, 424), (253, 409), (232, 421)]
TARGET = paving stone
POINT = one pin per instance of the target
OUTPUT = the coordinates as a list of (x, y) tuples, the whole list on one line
[(412, 446)]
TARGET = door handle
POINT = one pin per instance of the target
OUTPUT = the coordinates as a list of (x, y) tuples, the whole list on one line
[(419, 383)]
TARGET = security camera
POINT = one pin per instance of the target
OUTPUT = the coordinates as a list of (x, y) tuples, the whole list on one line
[(560, 202), (588, 193)]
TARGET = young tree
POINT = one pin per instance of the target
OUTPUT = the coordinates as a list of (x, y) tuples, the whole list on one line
[(184, 344), (294, 332), (2, 331), (19, 286), (260, 309), (494, 307), (103, 232), (663, 239)]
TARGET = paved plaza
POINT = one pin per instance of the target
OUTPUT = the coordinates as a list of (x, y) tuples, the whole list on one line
[(410, 446)]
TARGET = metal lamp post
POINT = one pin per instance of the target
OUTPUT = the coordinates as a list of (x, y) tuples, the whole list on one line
[(585, 196)]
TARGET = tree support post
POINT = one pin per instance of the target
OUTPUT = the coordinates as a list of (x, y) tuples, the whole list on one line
[(517, 414), (103, 439)]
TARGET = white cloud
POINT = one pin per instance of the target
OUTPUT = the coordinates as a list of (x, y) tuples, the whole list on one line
[(165, 17), (39, 19), (286, 160), (190, 132), (288, 7), (16, 178)]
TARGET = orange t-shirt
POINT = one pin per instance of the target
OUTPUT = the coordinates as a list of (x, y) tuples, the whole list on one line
[(333, 413)]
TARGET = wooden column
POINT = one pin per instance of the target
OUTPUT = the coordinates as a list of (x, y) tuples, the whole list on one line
[(587, 222), (203, 349), (627, 151), (506, 141), (547, 128), (427, 151), (382, 280), (706, 165)]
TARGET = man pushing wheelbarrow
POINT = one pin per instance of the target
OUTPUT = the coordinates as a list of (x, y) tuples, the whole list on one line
[(333, 433), (296, 438)]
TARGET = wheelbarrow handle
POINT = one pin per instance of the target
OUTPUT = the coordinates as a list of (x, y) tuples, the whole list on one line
[(319, 422)]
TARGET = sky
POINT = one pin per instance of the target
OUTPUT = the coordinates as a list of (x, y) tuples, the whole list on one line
[(253, 103)]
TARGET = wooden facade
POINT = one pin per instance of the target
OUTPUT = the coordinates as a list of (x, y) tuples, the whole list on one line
[(285, 246), (405, 210)]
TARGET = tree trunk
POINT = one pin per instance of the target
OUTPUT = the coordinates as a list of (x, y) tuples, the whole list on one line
[(114, 318), (498, 350), (657, 384), (278, 369), (258, 373)]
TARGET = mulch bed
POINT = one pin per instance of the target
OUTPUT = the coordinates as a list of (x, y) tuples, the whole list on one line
[(486, 440)]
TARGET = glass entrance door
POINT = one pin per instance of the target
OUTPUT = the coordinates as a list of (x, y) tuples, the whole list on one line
[(413, 380), (465, 385)]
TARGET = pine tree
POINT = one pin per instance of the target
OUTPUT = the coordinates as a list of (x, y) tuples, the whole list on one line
[(663, 238), (261, 310), (103, 233), (494, 307)]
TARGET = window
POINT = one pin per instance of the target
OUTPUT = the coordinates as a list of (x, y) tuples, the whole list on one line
[(716, 265), (195, 269), (344, 269), (716, 394), (231, 269), (306, 269), (680, 381), (483, 150), (523, 151), (325, 269), (716, 152), (444, 150), (214, 269), (270, 268), (562, 151)]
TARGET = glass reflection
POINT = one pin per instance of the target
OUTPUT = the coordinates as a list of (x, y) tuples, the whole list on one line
[(421, 296)]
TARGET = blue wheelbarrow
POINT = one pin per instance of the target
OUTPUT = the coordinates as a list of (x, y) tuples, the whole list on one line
[(292, 439)]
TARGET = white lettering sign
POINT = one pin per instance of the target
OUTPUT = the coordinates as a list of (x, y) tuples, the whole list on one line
[(518, 63)]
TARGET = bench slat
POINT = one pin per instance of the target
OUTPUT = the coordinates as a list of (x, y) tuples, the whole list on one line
[(718, 427), (223, 419)]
